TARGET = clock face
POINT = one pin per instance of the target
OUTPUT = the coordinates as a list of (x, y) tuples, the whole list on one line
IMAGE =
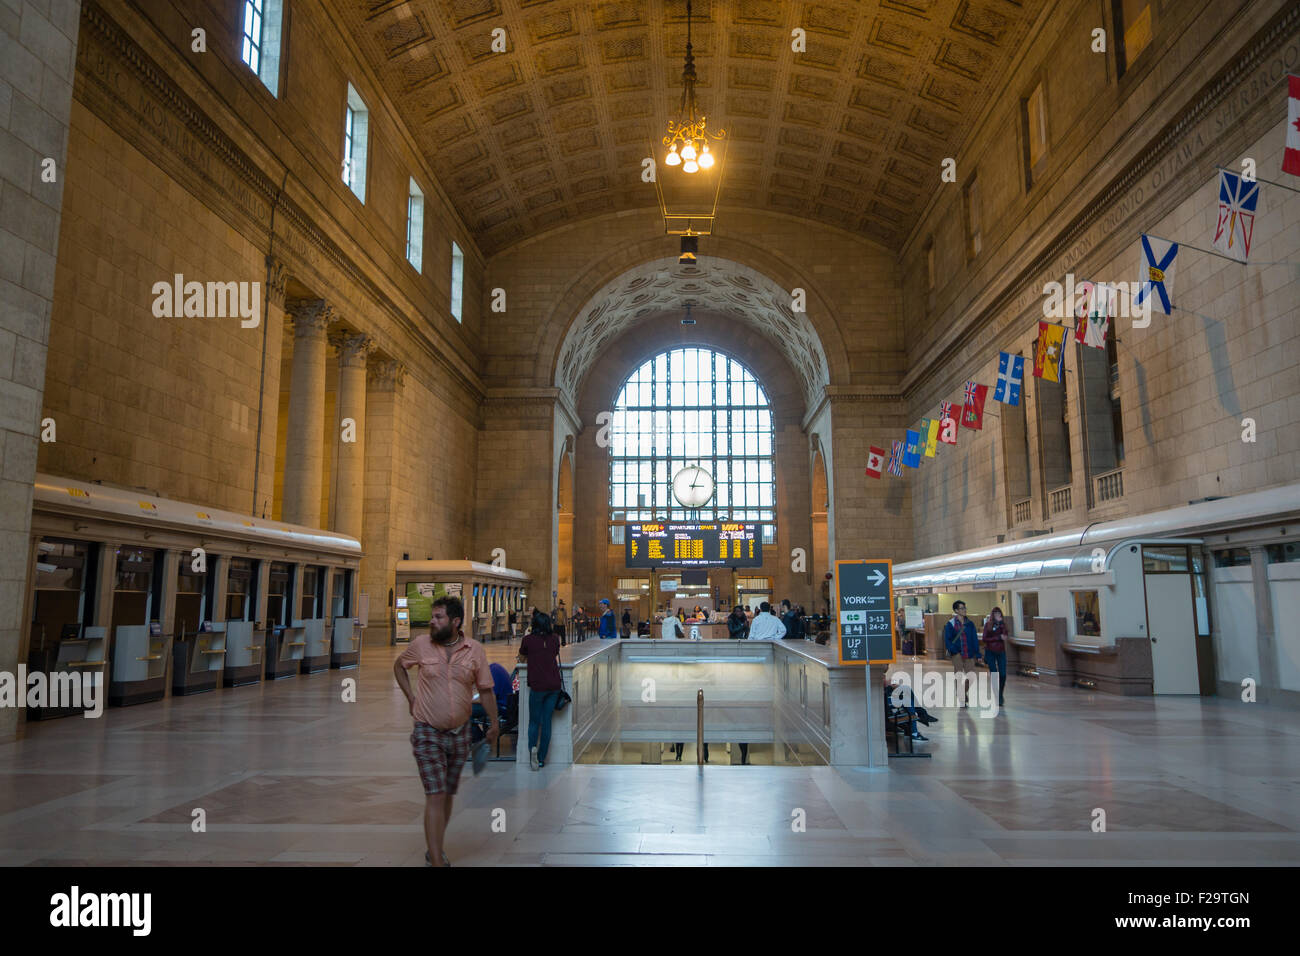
[(693, 486)]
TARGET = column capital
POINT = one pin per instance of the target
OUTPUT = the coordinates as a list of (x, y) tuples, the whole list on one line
[(311, 317), (386, 374), (276, 274), (352, 348)]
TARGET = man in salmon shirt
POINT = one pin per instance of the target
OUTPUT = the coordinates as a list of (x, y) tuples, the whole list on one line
[(451, 666)]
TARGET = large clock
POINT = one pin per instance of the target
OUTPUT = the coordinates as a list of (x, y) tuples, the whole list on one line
[(693, 486)]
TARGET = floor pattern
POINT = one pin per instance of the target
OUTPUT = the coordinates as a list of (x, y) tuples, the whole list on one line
[(288, 773)]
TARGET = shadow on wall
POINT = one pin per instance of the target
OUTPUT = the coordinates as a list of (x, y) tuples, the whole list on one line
[(1144, 403), (1217, 340), (965, 482), (894, 498)]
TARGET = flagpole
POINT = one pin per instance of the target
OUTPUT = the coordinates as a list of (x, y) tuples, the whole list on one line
[(1237, 172), (1211, 252)]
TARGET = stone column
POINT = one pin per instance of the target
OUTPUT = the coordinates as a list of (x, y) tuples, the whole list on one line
[(272, 343), (349, 477), (384, 378), (304, 446), (1265, 635)]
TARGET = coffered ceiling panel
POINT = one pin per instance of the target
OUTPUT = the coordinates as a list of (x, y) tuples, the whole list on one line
[(554, 129)]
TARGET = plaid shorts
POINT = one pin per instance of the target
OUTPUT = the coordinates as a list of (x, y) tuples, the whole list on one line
[(440, 755)]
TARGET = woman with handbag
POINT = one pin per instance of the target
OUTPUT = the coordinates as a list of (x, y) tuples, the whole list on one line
[(995, 650), (540, 650)]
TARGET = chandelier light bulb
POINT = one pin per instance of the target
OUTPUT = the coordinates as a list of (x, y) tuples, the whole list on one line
[(688, 151), (706, 159), (690, 166), (672, 159)]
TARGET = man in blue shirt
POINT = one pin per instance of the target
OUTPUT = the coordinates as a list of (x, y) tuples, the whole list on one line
[(607, 629), (963, 647)]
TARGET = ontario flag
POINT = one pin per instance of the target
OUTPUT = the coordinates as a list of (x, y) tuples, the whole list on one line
[(1291, 158), (1237, 202), (895, 456), (947, 424), (972, 411), (875, 461), (1049, 356)]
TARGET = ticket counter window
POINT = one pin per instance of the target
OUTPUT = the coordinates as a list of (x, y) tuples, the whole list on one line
[(241, 589), (1028, 610), (1087, 614), (191, 599), (313, 586), (341, 595), (137, 587), (475, 601), (64, 590), (279, 594)]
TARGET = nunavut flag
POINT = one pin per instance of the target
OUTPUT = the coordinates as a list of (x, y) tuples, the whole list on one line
[(947, 424), (1237, 201), (972, 412), (1049, 356), (912, 449), (875, 461)]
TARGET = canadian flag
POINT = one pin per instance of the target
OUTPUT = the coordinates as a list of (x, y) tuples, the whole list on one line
[(875, 461), (1291, 160)]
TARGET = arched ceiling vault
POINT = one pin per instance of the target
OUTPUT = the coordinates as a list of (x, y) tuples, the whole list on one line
[(849, 132), (712, 286)]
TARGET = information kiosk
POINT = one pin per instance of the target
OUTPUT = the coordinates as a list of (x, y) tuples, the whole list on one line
[(422, 582)]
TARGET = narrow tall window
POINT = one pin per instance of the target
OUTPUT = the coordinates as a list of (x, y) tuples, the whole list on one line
[(260, 48), (1034, 122), (1132, 31), (356, 134), (414, 226), (457, 281), (971, 203)]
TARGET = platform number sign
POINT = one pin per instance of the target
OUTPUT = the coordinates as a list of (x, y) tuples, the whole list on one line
[(864, 595)]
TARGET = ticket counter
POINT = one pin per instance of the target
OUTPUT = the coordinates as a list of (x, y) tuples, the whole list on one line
[(139, 647), (65, 635), (489, 594), (244, 640)]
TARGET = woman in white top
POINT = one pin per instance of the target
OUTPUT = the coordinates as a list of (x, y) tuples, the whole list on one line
[(672, 628)]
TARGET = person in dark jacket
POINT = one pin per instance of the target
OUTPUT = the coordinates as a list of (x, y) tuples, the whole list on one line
[(540, 650), (737, 626), (793, 628), (995, 650), (963, 646), (627, 623)]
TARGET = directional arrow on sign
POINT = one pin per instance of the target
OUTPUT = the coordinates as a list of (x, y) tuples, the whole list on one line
[(877, 578)]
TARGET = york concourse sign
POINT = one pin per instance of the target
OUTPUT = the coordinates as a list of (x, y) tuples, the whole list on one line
[(863, 591)]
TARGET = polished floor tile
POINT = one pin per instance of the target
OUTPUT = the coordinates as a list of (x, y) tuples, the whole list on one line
[(289, 774)]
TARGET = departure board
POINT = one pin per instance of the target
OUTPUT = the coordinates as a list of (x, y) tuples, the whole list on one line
[(729, 544)]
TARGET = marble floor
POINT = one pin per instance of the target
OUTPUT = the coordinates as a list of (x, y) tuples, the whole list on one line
[(288, 773)]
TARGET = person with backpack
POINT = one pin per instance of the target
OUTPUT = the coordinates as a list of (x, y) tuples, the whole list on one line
[(963, 647), (627, 623), (995, 650), (540, 650)]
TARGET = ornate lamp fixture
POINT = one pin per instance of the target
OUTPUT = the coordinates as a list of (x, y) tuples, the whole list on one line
[(689, 202), (690, 133)]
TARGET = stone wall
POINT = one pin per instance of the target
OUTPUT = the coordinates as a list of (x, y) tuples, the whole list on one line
[(39, 43), (1126, 156)]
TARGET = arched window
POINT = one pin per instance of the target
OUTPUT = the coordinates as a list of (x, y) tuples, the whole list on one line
[(692, 406)]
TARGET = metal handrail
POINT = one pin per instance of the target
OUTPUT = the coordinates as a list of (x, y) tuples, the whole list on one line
[(699, 728)]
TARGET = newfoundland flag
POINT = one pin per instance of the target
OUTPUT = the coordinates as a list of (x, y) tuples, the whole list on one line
[(875, 461), (972, 412)]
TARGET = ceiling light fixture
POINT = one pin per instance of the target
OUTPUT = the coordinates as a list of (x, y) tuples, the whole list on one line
[(688, 137)]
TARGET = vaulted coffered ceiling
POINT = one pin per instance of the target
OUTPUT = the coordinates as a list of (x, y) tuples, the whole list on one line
[(850, 132)]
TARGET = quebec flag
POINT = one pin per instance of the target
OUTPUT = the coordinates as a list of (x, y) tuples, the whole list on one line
[(1011, 375)]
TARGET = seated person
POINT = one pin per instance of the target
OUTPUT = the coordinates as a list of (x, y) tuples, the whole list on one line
[(900, 697)]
